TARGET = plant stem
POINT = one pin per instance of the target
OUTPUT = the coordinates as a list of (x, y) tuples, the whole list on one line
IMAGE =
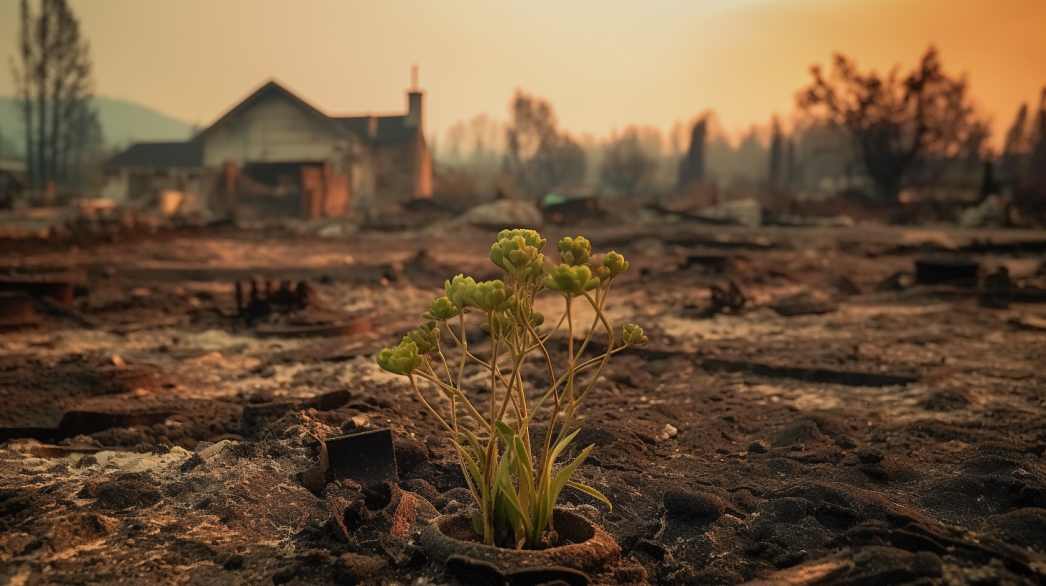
[(610, 344), (414, 385), (457, 392)]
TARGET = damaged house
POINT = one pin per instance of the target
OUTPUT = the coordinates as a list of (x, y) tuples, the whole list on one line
[(274, 154)]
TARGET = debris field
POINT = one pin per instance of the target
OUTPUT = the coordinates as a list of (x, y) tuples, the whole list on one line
[(850, 406)]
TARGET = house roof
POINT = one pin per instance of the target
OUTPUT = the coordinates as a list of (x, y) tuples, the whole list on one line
[(390, 129), (160, 154), (270, 87)]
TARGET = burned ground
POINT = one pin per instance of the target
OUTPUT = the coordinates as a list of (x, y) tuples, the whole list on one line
[(842, 425)]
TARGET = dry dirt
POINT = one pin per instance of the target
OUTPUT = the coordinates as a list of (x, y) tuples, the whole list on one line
[(152, 436)]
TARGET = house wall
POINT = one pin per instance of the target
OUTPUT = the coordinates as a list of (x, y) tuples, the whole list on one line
[(129, 184), (274, 130), (402, 172)]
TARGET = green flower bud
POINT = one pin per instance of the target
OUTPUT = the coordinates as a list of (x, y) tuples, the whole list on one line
[(491, 296), (517, 257), (570, 281), (460, 290), (601, 272), (530, 237), (633, 335), (575, 251), (403, 359), (441, 309), (536, 318), (426, 337), (615, 263)]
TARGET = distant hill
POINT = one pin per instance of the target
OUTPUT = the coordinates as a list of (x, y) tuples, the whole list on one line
[(122, 124)]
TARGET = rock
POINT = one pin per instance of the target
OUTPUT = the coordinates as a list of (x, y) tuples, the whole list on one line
[(895, 282), (460, 495), (410, 453), (841, 286), (992, 212), (742, 212), (336, 230), (687, 504), (668, 431), (1023, 527), (870, 456), (1029, 322), (807, 303), (845, 442), (213, 450), (802, 431), (233, 562), (504, 213), (357, 422), (759, 447)]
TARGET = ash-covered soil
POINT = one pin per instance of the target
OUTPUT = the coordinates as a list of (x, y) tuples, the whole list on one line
[(893, 436)]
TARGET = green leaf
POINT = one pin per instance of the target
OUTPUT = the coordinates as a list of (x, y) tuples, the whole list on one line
[(474, 442), (519, 518), (558, 448), (590, 492), (526, 486), (474, 470), (564, 475), (477, 522), (506, 432), (526, 467)]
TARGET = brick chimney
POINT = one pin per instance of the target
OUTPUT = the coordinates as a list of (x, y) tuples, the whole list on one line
[(415, 107)]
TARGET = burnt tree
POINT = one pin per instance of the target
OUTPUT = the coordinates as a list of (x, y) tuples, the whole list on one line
[(54, 87), (777, 155), (692, 167), (626, 165), (539, 155), (897, 122)]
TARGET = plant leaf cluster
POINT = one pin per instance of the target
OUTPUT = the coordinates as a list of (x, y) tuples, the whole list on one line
[(515, 478)]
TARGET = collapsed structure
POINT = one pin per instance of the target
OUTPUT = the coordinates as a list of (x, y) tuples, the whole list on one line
[(274, 154)]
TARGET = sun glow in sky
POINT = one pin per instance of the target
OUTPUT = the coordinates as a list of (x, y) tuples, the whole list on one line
[(603, 65)]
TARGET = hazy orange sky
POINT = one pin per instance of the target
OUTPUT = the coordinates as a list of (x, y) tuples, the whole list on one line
[(603, 64)]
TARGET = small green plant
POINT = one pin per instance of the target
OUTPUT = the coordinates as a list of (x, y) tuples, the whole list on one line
[(515, 487)]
